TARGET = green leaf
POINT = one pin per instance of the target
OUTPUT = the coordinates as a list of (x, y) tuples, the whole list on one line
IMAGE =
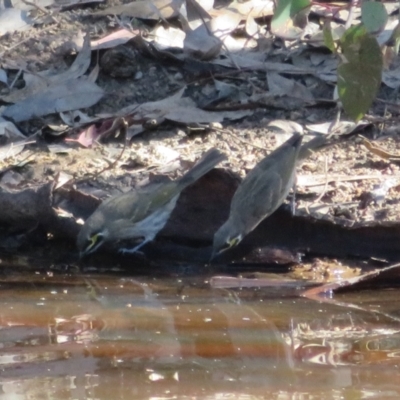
[(360, 73), (395, 37), (373, 15), (328, 37), (289, 18), (350, 42)]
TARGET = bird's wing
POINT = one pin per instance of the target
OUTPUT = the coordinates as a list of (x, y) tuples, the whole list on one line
[(122, 206), (258, 198), (149, 200), (139, 204)]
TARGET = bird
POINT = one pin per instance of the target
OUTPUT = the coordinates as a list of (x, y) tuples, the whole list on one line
[(261, 192), (140, 214)]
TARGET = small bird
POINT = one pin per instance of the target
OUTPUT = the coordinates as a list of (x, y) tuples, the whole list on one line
[(261, 192), (142, 213)]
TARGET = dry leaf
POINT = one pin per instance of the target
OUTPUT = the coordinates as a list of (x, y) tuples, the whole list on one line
[(114, 39), (57, 98), (201, 44), (12, 19), (281, 86), (42, 81), (147, 9)]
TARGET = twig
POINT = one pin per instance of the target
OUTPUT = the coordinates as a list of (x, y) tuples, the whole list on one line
[(16, 78), (118, 125), (42, 9), (123, 129)]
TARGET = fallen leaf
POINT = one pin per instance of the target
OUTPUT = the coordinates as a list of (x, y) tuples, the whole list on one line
[(121, 36), (58, 98), (42, 81), (10, 131), (280, 86), (153, 10), (201, 44), (12, 19), (285, 126), (88, 136), (3, 77)]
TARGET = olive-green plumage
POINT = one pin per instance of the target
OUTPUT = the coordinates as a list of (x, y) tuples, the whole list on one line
[(261, 192), (142, 213)]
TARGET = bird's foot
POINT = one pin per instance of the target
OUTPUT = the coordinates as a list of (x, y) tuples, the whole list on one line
[(130, 251), (293, 201), (133, 250)]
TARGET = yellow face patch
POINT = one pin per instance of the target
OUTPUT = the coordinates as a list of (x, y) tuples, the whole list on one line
[(234, 241), (231, 243), (93, 240)]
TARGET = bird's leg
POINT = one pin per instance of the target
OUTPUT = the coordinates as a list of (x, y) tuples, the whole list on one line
[(293, 200), (136, 248)]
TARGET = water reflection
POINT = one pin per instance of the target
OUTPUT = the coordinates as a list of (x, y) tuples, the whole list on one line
[(344, 339), (113, 337)]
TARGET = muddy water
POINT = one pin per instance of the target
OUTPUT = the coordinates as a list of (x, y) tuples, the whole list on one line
[(93, 336)]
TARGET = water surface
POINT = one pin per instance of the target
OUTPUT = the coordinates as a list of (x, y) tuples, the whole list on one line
[(70, 335)]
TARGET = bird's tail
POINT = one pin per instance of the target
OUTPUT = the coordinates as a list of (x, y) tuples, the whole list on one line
[(209, 160)]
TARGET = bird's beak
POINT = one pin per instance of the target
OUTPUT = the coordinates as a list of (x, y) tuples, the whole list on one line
[(85, 252), (215, 253), (82, 255)]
